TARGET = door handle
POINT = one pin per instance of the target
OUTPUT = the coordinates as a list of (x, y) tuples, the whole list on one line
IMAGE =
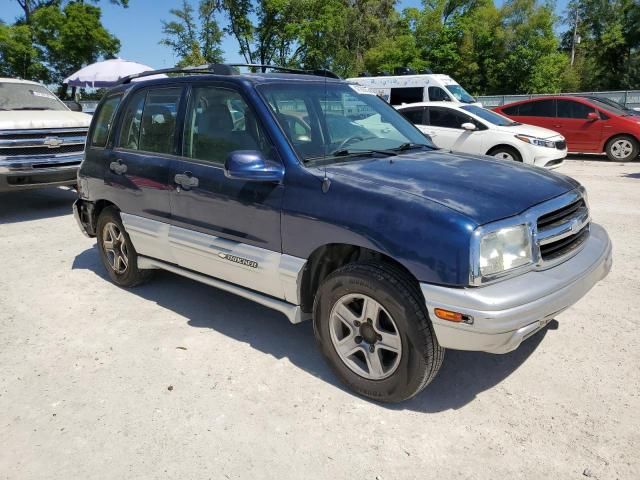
[(118, 167), (557, 126), (186, 180)]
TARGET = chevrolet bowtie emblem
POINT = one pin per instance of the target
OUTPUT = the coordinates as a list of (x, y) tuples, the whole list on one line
[(53, 142)]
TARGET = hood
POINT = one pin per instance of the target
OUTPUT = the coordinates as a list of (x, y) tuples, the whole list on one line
[(28, 119), (482, 188), (530, 130)]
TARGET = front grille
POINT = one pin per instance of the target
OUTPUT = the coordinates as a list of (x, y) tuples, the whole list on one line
[(561, 144), (564, 246), (561, 232), (27, 134), (561, 215), (22, 151)]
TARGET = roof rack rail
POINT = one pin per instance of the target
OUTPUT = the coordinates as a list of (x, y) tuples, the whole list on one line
[(225, 69)]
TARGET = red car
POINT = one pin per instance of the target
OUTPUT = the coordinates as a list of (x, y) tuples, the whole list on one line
[(589, 125)]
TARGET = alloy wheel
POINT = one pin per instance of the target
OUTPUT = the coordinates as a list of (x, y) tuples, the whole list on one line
[(115, 248)]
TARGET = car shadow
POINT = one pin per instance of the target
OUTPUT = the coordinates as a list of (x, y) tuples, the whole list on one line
[(463, 375), (26, 205), (632, 175)]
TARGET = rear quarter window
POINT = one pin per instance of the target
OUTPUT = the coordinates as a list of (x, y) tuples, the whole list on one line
[(104, 120)]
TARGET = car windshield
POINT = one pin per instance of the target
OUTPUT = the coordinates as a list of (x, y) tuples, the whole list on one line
[(489, 116), (610, 106), (27, 96), (335, 122), (460, 93)]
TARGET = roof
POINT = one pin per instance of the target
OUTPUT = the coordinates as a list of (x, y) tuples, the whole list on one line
[(17, 80)]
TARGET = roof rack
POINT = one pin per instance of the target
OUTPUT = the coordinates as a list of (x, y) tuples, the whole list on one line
[(225, 69)]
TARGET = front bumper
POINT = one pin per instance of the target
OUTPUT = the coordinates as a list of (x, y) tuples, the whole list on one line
[(507, 313), (548, 158), (39, 172)]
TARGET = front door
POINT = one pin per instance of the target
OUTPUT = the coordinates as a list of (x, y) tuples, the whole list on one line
[(225, 228), (445, 128), (582, 134)]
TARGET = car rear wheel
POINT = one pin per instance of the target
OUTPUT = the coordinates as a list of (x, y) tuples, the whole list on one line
[(622, 149), (372, 326), (116, 250), (506, 153)]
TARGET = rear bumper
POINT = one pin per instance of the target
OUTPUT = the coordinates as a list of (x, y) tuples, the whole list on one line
[(39, 172), (83, 213), (508, 312)]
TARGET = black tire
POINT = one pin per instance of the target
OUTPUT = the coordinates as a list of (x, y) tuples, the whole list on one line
[(617, 147), (131, 275), (421, 355), (505, 151)]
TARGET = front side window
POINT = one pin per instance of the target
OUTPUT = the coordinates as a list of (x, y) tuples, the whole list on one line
[(329, 122), (218, 122), (414, 115), (28, 96), (539, 108), (103, 121), (447, 118), (489, 116), (571, 109), (437, 94)]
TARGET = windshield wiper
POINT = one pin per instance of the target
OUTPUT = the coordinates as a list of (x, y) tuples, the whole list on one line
[(410, 146), (32, 108), (360, 152)]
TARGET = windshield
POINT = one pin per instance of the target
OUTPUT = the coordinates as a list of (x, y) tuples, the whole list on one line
[(328, 122), (489, 116), (609, 106), (27, 96), (460, 93)]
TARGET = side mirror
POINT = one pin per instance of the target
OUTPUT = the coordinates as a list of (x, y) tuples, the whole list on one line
[(468, 126), (251, 166), (593, 116)]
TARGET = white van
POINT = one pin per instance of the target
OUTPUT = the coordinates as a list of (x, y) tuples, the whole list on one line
[(399, 89)]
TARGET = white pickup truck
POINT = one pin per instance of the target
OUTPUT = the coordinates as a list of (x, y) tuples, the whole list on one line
[(41, 140)]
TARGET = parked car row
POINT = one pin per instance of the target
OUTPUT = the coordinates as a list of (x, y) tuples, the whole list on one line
[(318, 199)]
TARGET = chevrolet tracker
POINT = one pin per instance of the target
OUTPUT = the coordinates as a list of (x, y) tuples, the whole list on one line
[(316, 198)]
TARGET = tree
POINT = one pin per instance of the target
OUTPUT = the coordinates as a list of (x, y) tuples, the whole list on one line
[(195, 41), (30, 6)]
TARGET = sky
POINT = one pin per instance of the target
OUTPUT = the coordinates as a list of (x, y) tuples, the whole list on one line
[(139, 29)]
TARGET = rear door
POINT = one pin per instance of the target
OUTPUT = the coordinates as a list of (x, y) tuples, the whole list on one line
[(582, 134), (225, 228), (145, 146), (536, 112)]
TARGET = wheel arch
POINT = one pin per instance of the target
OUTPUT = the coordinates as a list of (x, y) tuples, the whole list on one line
[(329, 257)]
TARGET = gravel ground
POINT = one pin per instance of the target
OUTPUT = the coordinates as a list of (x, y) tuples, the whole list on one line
[(179, 380)]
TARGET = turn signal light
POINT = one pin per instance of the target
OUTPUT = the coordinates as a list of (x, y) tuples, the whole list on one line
[(448, 315)]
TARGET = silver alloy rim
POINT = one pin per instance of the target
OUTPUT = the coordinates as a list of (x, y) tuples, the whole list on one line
[(621, 148), (115, 248), (365, 336), (503, 156)]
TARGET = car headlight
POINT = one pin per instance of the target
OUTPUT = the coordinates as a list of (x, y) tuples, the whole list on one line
[(502, 250), (538, 142)]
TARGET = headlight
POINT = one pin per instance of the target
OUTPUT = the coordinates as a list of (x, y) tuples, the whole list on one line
[(503, 250), (538, 142)]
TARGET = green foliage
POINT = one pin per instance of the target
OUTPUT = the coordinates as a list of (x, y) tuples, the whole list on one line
[(195, 41)]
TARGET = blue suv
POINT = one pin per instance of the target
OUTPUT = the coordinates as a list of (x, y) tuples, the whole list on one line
[(314, 197)]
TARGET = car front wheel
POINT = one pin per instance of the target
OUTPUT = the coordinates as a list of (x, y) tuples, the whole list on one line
[(372, 326), (622, 149)]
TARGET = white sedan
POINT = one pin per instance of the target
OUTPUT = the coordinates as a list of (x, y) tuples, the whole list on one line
[(473, 129)]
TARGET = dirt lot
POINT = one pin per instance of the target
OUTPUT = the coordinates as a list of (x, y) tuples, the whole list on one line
[(179, 380)]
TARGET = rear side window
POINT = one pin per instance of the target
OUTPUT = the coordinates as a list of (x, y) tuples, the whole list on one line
[(131, 122), (414, 115), (158, 126), (571, 109), (104, 120), (540, 108), (447, 118), (513, 110), (406, 95)]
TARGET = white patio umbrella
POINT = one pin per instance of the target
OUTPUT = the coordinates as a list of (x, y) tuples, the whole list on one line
[(107, 73)]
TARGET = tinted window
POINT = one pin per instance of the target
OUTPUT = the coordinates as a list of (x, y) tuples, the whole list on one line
[(437, 94), (104, 119), (130, 124), (414, 115), (511, 110), (445, 117), (489, 116), (571, 109), (406, 95), (158, 125), (540, 108), (219, 122)]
